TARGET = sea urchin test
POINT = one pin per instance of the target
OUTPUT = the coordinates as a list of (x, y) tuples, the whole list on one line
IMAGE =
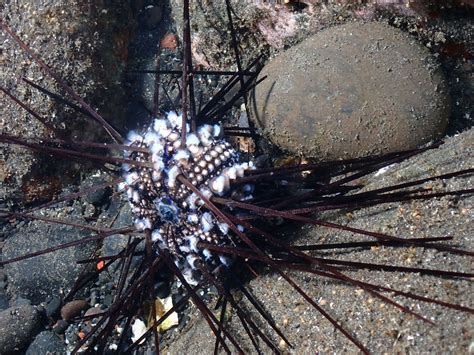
[(173, 213)]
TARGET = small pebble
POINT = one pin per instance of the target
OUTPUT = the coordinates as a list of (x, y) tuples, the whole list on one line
[(73, 308), (52, 307), (60, 326), (100, 197), (162, 289)]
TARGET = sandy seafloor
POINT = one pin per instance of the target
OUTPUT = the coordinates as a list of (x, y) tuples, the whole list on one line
[(379, 326)]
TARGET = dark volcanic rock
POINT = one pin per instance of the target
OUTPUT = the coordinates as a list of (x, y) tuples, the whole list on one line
[(82, 46), (17, 326), (352, 90), (49, 274), (117, 242), (46, 343), (371, 322)]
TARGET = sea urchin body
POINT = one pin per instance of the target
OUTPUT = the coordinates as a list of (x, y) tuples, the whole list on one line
[(173, 213)]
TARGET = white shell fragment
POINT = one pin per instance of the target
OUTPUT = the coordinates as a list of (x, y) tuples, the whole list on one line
[(163, 305), (138, 329)]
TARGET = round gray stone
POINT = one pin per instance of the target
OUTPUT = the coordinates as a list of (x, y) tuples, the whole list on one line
[(17, 326), (352, 90), (46, 342)]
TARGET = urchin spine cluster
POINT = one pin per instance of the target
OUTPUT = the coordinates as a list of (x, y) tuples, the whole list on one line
[(160, 203)]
